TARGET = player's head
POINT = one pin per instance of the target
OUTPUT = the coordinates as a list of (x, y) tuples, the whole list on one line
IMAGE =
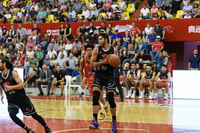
[(133, 66), (148, 68), (5, 63), (126, 65), (88, 49), (103, 39), (164, 68), (58, 68)]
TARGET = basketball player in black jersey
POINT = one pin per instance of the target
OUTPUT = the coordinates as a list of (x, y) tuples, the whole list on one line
[(14, 89), (103, 78)]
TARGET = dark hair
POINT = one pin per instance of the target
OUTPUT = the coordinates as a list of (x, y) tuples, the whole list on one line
[(104, 35), (165, 50), (89, 45), (164, 66), (9, 65), (77, 65), (133, 63)]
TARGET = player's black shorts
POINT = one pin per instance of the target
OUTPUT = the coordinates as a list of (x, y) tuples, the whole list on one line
[(23, 103), (108, 84)]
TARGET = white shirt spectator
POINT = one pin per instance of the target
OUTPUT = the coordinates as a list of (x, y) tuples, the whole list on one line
[(59, 54), (36, 7), (19, 14), (187, 17), (8, 16), (122, 5), (73, 13), (86, 13), (92, 5), (114, 6), (68, 47), (94, 13), (72, 61), (148, 30), (145, 11), (18, 44), (50, 53), (21, 31)]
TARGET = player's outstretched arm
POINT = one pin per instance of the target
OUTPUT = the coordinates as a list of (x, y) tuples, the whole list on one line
[(94, 58), (18, 80)]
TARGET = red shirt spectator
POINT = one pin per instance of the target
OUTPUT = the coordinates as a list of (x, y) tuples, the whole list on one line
[(134, 30), (107, 4), (19, 62), (157, 45)]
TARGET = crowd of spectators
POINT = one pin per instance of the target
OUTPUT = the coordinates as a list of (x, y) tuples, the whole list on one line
[(168, 9), (41, 11)]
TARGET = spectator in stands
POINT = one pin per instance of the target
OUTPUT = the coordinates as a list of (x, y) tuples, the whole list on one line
[(92, 4), (17, 20), (195, 9), (30, 43), (76, 43), (19, 62), (30, 52), (21, 50), (53, 61), (4, 35), (159, 62), (145, 11), (61, 31), (46, 60), (77, 6), (53, 43), (68, 32), (38, 20), (126, 39), (72, 61), (59, 79), (140, 17), (72, 12), (166, 59), (141, 47), (94, 13), (27, 65), (35, 6), (134, 30), (30, 20), (123, 54), (68, 46), (32, 74), (82, 32), (107, 4), (99, 5), (11, 51), (163, 17), (13, 31), (122, 5), (194, 61), (61, 60), (109, 13), (45, 41), (144, 38), (159, 3), (40, 56), (21, 31), (20, 13), (8, 15), (62, 51), (76, 70), (154, 10), (151, 3), (85, 13), (63, 6), (157, 46), (114, 17), (132, 54), (187, 8), (197, 15), (148, 29), (159, 30), (37, 32), (114, 5), (92, 32), (45, 79), (170, 11), (117, 37), (187, 16), (9, 40), (52, 51), (33, 14), (117, 12)]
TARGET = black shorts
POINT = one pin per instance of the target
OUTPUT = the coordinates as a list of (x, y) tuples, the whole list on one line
[(24, 103), (107, 84)]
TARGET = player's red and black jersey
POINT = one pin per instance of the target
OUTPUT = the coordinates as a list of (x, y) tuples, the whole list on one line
[(149, 76), (163, 75), (104, 71), (12, 95)]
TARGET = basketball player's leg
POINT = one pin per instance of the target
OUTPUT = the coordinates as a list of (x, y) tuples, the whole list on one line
[(13, 111), (53, 84)]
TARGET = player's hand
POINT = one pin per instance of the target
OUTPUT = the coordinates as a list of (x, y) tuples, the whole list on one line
[(82, 85), (7, 88), (2, 99), (106, 60)]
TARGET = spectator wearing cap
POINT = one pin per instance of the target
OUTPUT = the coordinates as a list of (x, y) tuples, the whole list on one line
[(21, 31), (159, 30), (157, 47), (117, 37), (194, 61)]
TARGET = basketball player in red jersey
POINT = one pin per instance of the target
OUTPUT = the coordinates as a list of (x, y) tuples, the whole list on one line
[(89, 78)]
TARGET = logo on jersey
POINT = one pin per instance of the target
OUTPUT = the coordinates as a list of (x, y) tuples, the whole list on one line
[(7, 83), (104, 55)]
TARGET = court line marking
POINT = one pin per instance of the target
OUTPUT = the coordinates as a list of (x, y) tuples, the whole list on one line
[(82, 129)]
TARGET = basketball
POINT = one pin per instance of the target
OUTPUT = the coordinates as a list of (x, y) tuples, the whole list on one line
[(114, 60)]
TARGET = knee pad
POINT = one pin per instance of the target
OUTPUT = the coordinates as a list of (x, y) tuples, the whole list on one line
[(110, 97), (95, 98)]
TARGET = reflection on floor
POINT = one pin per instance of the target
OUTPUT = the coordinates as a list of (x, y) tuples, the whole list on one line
[(73, 115)]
